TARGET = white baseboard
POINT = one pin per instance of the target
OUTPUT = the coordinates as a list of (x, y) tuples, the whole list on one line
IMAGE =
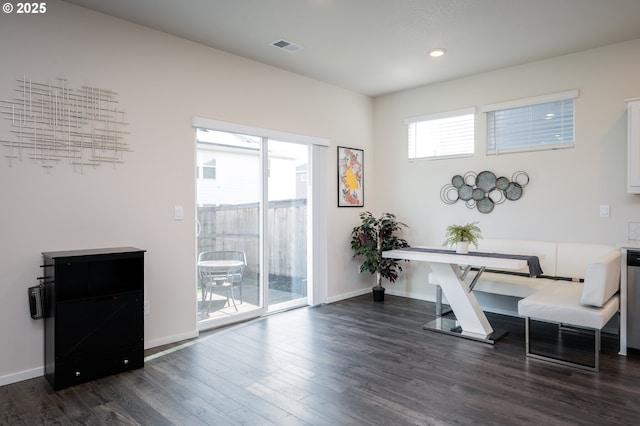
[(170, 339), (410, 295), (388, 290), (21, 375), (39, 371), (348, 295)]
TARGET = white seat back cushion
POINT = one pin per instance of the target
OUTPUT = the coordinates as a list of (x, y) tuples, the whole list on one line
[(573, 259), (546, 252), (602, 280)]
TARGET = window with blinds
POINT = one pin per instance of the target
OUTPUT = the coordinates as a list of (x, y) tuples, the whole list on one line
[(444, 135), (542, 123)]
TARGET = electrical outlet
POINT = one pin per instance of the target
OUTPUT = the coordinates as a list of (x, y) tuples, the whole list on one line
[(147, 307)]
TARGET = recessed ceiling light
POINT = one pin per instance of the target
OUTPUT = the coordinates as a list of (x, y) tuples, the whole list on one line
[(437, 52)]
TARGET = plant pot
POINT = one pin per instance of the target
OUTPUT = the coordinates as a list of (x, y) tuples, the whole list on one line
[(378, 294), (462, 247)]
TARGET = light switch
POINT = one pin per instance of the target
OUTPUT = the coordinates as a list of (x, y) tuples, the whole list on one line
[(605, 210), (178, 212)]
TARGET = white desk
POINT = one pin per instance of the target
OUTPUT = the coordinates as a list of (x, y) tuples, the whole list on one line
[(470, 321)]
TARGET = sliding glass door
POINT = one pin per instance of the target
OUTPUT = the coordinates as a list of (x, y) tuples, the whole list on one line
[(287, 224), (252, 223), (229, 245)]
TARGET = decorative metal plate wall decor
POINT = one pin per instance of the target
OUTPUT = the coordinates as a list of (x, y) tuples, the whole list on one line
[(484, 190), (51, 122)]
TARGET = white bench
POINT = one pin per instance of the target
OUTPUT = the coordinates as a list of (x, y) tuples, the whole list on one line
[(578, 287), (560, 261), (588, 305)]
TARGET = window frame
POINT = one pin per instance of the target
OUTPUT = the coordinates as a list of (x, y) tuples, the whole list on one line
[(206, 167), (492, 147), (412, 146), (318, 164)]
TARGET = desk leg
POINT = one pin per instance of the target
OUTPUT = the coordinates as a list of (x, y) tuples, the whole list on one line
[(470, 321)]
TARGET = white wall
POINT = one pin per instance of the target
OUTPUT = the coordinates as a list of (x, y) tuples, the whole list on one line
[(162, 81), (566, 187)]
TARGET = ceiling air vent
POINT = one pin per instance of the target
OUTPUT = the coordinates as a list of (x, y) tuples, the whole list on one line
[(286, 45)]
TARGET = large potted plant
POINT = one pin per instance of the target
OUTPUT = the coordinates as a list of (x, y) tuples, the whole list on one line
[(463, 235), (369, 239)]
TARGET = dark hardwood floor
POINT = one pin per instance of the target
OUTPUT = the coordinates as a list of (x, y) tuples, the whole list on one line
[(353, 362)]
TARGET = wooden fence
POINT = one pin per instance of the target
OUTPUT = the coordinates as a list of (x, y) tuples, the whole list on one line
[(236, 227)]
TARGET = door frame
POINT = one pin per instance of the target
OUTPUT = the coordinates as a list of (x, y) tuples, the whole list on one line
[(317, 213)]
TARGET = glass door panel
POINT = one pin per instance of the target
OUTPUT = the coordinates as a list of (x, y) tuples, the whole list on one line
[(287, 220), (250, 258), (229, 246)]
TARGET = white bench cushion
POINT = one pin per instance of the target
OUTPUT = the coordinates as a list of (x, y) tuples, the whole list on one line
[(546, 252), (573, 259), (602, 280), (511, 285), (561, 303)]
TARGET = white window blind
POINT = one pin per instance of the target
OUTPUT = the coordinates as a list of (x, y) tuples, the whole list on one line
[(541, 123), (443, 135)]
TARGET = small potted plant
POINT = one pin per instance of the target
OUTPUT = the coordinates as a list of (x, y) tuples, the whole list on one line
[(370, 239), (463, 235)]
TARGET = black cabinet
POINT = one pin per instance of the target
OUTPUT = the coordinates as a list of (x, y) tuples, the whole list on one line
[(94, 325)]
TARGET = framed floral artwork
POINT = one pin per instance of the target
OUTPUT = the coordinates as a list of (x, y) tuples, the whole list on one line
[(350, 177)]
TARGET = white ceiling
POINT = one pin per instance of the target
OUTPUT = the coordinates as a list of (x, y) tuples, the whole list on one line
[(376, 47)]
